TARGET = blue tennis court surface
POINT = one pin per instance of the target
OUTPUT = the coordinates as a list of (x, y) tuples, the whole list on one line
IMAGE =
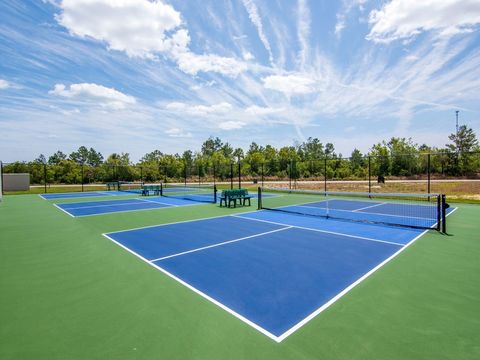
[(86, 194), (90, 208), (273, 270)]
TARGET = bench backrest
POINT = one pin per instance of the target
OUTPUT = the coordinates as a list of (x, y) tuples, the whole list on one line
[(235, 193)]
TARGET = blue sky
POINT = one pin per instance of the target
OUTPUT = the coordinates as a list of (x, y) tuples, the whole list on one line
[(137, 75)]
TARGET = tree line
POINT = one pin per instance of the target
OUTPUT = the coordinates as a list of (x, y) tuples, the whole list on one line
[(397, 157)]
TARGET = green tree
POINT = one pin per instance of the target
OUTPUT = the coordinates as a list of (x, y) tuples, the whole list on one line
[(56, 158)]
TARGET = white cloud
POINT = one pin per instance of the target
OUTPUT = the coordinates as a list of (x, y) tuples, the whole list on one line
[(259, 110), (404, 19), (290, 84), (347, 7), (303, 31), (247, 56), (257, 21), (200, 110), (231, 125), (102, 95), (144, 29), (178, 133), (191, 63), (138, 27), (4, 84), (203, 85)]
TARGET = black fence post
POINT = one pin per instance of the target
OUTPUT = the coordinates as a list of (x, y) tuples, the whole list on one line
[(325, 174), (290, 175), (184, 175), (231, 176), (239, 174), (263, 175), (141, 174), (428, 174), (214, 176), (369, 174), (199, 177), (82, 177), (45, 177)]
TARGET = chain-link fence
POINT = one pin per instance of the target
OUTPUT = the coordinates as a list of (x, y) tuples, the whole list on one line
[(455, 174)]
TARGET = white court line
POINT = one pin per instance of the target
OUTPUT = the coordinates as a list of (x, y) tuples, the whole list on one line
[(368, 207), (222, 243), (118, 212), (322, 231), (178, 222), (158, 202), (294, 328), (350, 287), (363, 212), (98, 206), (184, 283), (66, 212)]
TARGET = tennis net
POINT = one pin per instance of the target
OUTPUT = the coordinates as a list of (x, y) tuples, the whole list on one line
[(131, 187), (423, 211), (193, 192)]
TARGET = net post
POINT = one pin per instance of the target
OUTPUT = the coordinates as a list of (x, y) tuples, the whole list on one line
[(259, 198), (439, 212), (444, 214), (141, 174), (215, 194), (161, 189)]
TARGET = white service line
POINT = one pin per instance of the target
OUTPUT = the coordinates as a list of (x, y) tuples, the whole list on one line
[(222, 243), (195, 290), (322, 231), (368, 207), (99, 206), (157, 202)]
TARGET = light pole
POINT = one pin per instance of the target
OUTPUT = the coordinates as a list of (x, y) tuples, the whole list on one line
[(456, 123)]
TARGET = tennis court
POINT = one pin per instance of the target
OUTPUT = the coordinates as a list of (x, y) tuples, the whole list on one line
[(91, 208), (275, 270), (79, 195)]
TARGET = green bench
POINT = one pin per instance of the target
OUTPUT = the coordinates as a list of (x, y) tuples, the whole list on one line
[(231, 196), (146, 189)]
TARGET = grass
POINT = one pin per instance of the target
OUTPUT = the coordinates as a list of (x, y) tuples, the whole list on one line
[(66, 292)]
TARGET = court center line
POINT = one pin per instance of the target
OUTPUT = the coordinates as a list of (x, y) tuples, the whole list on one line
[(157, 202), (222, 243), (368, 207), (322, 231), (197, 291)]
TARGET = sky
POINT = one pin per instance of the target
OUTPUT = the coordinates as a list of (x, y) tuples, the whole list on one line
[(134, 76)]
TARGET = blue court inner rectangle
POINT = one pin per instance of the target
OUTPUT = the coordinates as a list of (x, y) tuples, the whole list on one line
[(272, 270)]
